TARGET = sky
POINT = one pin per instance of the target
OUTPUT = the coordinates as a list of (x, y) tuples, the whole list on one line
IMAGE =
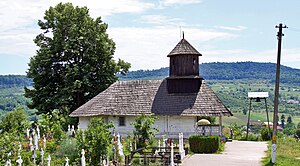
[(146, 31)]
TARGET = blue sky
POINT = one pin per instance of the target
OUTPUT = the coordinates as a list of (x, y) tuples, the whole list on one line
[(146, 31)]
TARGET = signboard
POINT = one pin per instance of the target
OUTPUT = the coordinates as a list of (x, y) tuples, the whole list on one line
[(258, 94)]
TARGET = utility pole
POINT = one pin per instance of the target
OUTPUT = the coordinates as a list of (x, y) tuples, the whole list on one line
[(275, 120)]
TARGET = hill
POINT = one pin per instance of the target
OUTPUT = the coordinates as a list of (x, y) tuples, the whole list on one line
[(228, 71), (10, 81), (230, 81), (209, 71)]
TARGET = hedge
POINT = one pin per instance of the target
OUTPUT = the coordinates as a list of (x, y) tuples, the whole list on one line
[(204, 144)]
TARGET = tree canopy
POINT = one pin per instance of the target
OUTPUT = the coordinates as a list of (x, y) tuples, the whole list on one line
[(74, 61), (15, 121)]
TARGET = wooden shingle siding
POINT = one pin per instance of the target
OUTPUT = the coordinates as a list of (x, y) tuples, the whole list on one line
[(151, 96), (184, 48)]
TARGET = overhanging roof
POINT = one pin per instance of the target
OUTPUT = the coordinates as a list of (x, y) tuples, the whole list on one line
[(151, 96)]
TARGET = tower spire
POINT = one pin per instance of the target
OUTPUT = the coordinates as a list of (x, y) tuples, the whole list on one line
[(182, 34)]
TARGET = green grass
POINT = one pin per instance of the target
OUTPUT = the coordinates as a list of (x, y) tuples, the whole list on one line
[(287, 154)]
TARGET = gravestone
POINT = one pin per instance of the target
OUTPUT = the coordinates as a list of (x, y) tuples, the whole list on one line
[(82, 158), (120, 146), (42, 156), (69, 131), (33, 156), (8, 161), (38, 131), (48, 160), (36, 141), (19, 161), (130, 146), (44, 141), (30, 144), (67, 161), (172, 155), (73, 131), (181, 146), (159, 145)]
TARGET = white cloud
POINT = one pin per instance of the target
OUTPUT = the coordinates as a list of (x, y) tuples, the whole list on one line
[(233, 28), (161, 20), (178, 2), (147, 48), (18, 19)]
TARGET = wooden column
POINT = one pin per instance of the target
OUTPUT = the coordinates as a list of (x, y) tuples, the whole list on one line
[(220, 125)]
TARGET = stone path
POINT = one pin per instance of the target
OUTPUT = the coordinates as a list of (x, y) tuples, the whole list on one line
[(237, 153)]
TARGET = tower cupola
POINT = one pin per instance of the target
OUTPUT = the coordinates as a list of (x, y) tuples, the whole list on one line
[(184, 60), (184, 69)]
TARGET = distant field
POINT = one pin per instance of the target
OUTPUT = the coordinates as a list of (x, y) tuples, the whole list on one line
[(255, 117)]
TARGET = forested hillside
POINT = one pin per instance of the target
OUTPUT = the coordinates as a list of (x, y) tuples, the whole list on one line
[(229, 71), (10, 81), (210, 71), (12, 93), (231, 81)]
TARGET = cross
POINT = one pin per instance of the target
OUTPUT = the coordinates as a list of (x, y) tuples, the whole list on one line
[(49, 160), (82, 158), (42, 155), (44, 140), (67, 161), (19, 161)]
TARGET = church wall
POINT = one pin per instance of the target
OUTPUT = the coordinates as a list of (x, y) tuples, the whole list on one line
[(167, 125)]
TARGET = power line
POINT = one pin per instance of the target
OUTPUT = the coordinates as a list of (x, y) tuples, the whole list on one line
[(294, 29)]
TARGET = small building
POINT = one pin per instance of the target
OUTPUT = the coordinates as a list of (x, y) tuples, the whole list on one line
[(178, 101)]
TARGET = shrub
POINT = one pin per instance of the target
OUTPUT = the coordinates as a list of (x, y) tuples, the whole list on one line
[(200, 144), (136, 160), (264, 132), (68, 149), (297, 132), (252, 137)]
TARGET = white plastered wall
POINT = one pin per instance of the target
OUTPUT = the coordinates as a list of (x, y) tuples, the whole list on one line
[(167, 125)]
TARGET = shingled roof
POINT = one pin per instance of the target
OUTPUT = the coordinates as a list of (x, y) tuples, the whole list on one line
[(184, 48), (151, 96)]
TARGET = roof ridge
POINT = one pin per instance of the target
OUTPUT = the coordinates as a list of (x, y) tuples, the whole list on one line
[(183, 48)]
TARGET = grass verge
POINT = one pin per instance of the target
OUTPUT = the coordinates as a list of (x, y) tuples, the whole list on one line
[(287, 154)]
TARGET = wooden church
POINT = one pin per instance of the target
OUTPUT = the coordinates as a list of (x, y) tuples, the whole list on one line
[(178, 101)]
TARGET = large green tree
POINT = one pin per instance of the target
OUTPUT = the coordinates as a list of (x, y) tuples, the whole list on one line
[(74, 61)]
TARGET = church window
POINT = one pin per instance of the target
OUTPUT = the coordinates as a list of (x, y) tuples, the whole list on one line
[(122, 121)]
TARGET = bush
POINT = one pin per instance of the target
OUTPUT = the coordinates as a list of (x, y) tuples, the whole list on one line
[(136, 160), (288, 131), (264, 132), (68, 149), (297, 132), (251, 137), (200, 144)]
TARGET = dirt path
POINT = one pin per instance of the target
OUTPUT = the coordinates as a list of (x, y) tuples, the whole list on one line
[(237, 153)]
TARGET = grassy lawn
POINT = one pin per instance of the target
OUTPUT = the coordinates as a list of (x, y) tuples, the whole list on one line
[(288, 153)]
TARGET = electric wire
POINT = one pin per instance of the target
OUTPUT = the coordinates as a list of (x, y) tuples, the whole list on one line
[(294, 29)]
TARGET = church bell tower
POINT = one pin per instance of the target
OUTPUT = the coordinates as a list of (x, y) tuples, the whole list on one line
[(184, 69)]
